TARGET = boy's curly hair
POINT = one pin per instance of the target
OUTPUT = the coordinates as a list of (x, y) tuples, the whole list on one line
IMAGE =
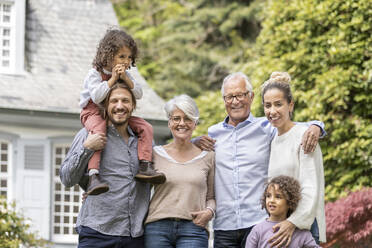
[(110, 44), (290, 188)]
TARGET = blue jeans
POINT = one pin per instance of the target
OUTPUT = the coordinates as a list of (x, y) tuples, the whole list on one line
[(168, 233), (315, 231), (231, 238), (89, 238)]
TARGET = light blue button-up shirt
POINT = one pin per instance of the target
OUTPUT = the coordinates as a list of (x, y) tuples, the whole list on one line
[(242, 160)]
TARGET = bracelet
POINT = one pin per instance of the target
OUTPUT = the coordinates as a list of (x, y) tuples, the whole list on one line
[(213, 213)]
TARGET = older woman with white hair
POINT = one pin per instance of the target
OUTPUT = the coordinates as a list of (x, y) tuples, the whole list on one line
[(181, 208)]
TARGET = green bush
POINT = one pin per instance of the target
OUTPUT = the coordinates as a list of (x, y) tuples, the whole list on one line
[(13, 230)]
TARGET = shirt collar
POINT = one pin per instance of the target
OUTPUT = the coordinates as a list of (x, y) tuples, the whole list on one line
[(112, 128), (243, 123)]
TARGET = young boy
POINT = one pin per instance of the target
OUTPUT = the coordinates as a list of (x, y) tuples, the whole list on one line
[(280, 199)]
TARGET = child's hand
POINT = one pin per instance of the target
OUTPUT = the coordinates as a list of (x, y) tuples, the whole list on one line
[(116, 72), (127, 80)]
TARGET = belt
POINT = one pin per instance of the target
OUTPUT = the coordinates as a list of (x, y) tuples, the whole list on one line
[(176, 219)]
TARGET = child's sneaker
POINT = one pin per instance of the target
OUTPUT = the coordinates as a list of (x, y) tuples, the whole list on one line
[(148, 174), (95, 186)]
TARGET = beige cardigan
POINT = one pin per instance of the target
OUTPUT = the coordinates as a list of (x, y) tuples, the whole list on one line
[(189, 186)]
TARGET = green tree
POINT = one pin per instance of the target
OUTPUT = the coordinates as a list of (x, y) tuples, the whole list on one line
[(189, 46), (212, 111), (13, 229), (325, 45)]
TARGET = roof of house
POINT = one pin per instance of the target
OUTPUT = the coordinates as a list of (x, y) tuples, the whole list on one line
[(61, 40)]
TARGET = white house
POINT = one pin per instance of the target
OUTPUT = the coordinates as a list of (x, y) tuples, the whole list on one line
[(46, 48)]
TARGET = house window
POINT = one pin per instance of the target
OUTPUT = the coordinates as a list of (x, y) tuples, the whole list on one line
[(6, 22), (66, 201), (4, 168)]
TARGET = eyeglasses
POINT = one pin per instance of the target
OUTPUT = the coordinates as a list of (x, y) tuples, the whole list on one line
[(239, 97), (177, 119)]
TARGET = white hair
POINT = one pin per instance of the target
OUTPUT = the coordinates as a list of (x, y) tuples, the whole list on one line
[(234, 75), (184, 103)]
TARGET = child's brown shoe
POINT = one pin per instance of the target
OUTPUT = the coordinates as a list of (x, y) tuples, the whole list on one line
[(148, 174), (95, 186)]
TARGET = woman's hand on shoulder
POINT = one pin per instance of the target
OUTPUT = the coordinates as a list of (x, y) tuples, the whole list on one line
[(283, 234), (201, 218)]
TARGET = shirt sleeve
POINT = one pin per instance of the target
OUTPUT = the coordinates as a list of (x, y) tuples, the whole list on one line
[(97, 88), (74, 166), (309, 179), (253, 238), (211, 202), (137, 88), (309, 241)]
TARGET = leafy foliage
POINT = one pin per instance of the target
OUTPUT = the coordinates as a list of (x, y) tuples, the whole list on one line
[(349, 220), (13, 229), (189, 46), (212, 111), (326, 47)]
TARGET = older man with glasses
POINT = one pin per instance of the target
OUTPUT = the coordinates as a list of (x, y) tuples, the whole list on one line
[(242, 146)]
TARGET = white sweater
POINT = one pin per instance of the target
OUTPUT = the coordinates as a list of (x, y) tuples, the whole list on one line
[(287, 158), (96, 90)]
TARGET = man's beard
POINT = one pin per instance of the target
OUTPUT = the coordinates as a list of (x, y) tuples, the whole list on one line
[(118, 123), (122, 122)]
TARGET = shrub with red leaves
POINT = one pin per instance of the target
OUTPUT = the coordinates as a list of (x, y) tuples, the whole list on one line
[(349, 220)]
